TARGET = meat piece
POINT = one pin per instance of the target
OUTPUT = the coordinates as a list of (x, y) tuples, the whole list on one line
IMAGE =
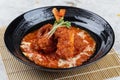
[(44, 30), (47, 45), (65, 45)]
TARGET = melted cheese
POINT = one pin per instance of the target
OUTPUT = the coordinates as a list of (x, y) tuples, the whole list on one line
[(25, 45), (71, 62), (85, 53), (39, 57), (85, 41), (29, 55), (81, 34), (88, 48)]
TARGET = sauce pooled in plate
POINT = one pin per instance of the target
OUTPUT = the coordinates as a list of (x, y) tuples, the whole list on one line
[(59, 45)]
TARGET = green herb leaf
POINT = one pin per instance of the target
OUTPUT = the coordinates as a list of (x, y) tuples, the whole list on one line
[(67, 24), (60, 23)]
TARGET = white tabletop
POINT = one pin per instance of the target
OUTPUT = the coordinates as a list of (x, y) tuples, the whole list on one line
[(108, 9)]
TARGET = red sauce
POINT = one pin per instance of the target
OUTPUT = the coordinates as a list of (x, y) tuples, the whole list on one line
[(65, 48)]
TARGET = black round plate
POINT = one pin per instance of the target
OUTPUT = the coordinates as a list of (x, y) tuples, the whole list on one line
[(87, 20)]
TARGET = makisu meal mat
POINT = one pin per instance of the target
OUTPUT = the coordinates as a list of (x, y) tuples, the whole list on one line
[(107, 67)]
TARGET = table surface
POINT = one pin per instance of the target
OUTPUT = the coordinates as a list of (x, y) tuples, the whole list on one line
[(108, 9)]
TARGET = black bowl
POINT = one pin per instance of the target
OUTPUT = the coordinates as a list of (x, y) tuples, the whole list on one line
[(31, 20)]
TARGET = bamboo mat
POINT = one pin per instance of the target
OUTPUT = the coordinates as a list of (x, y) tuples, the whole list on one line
[(107, 67)]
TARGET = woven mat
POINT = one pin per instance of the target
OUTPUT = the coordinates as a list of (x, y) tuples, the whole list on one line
[(107, 67)]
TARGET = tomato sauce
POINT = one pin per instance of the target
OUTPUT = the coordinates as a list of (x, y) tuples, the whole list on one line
[(67, 47)]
